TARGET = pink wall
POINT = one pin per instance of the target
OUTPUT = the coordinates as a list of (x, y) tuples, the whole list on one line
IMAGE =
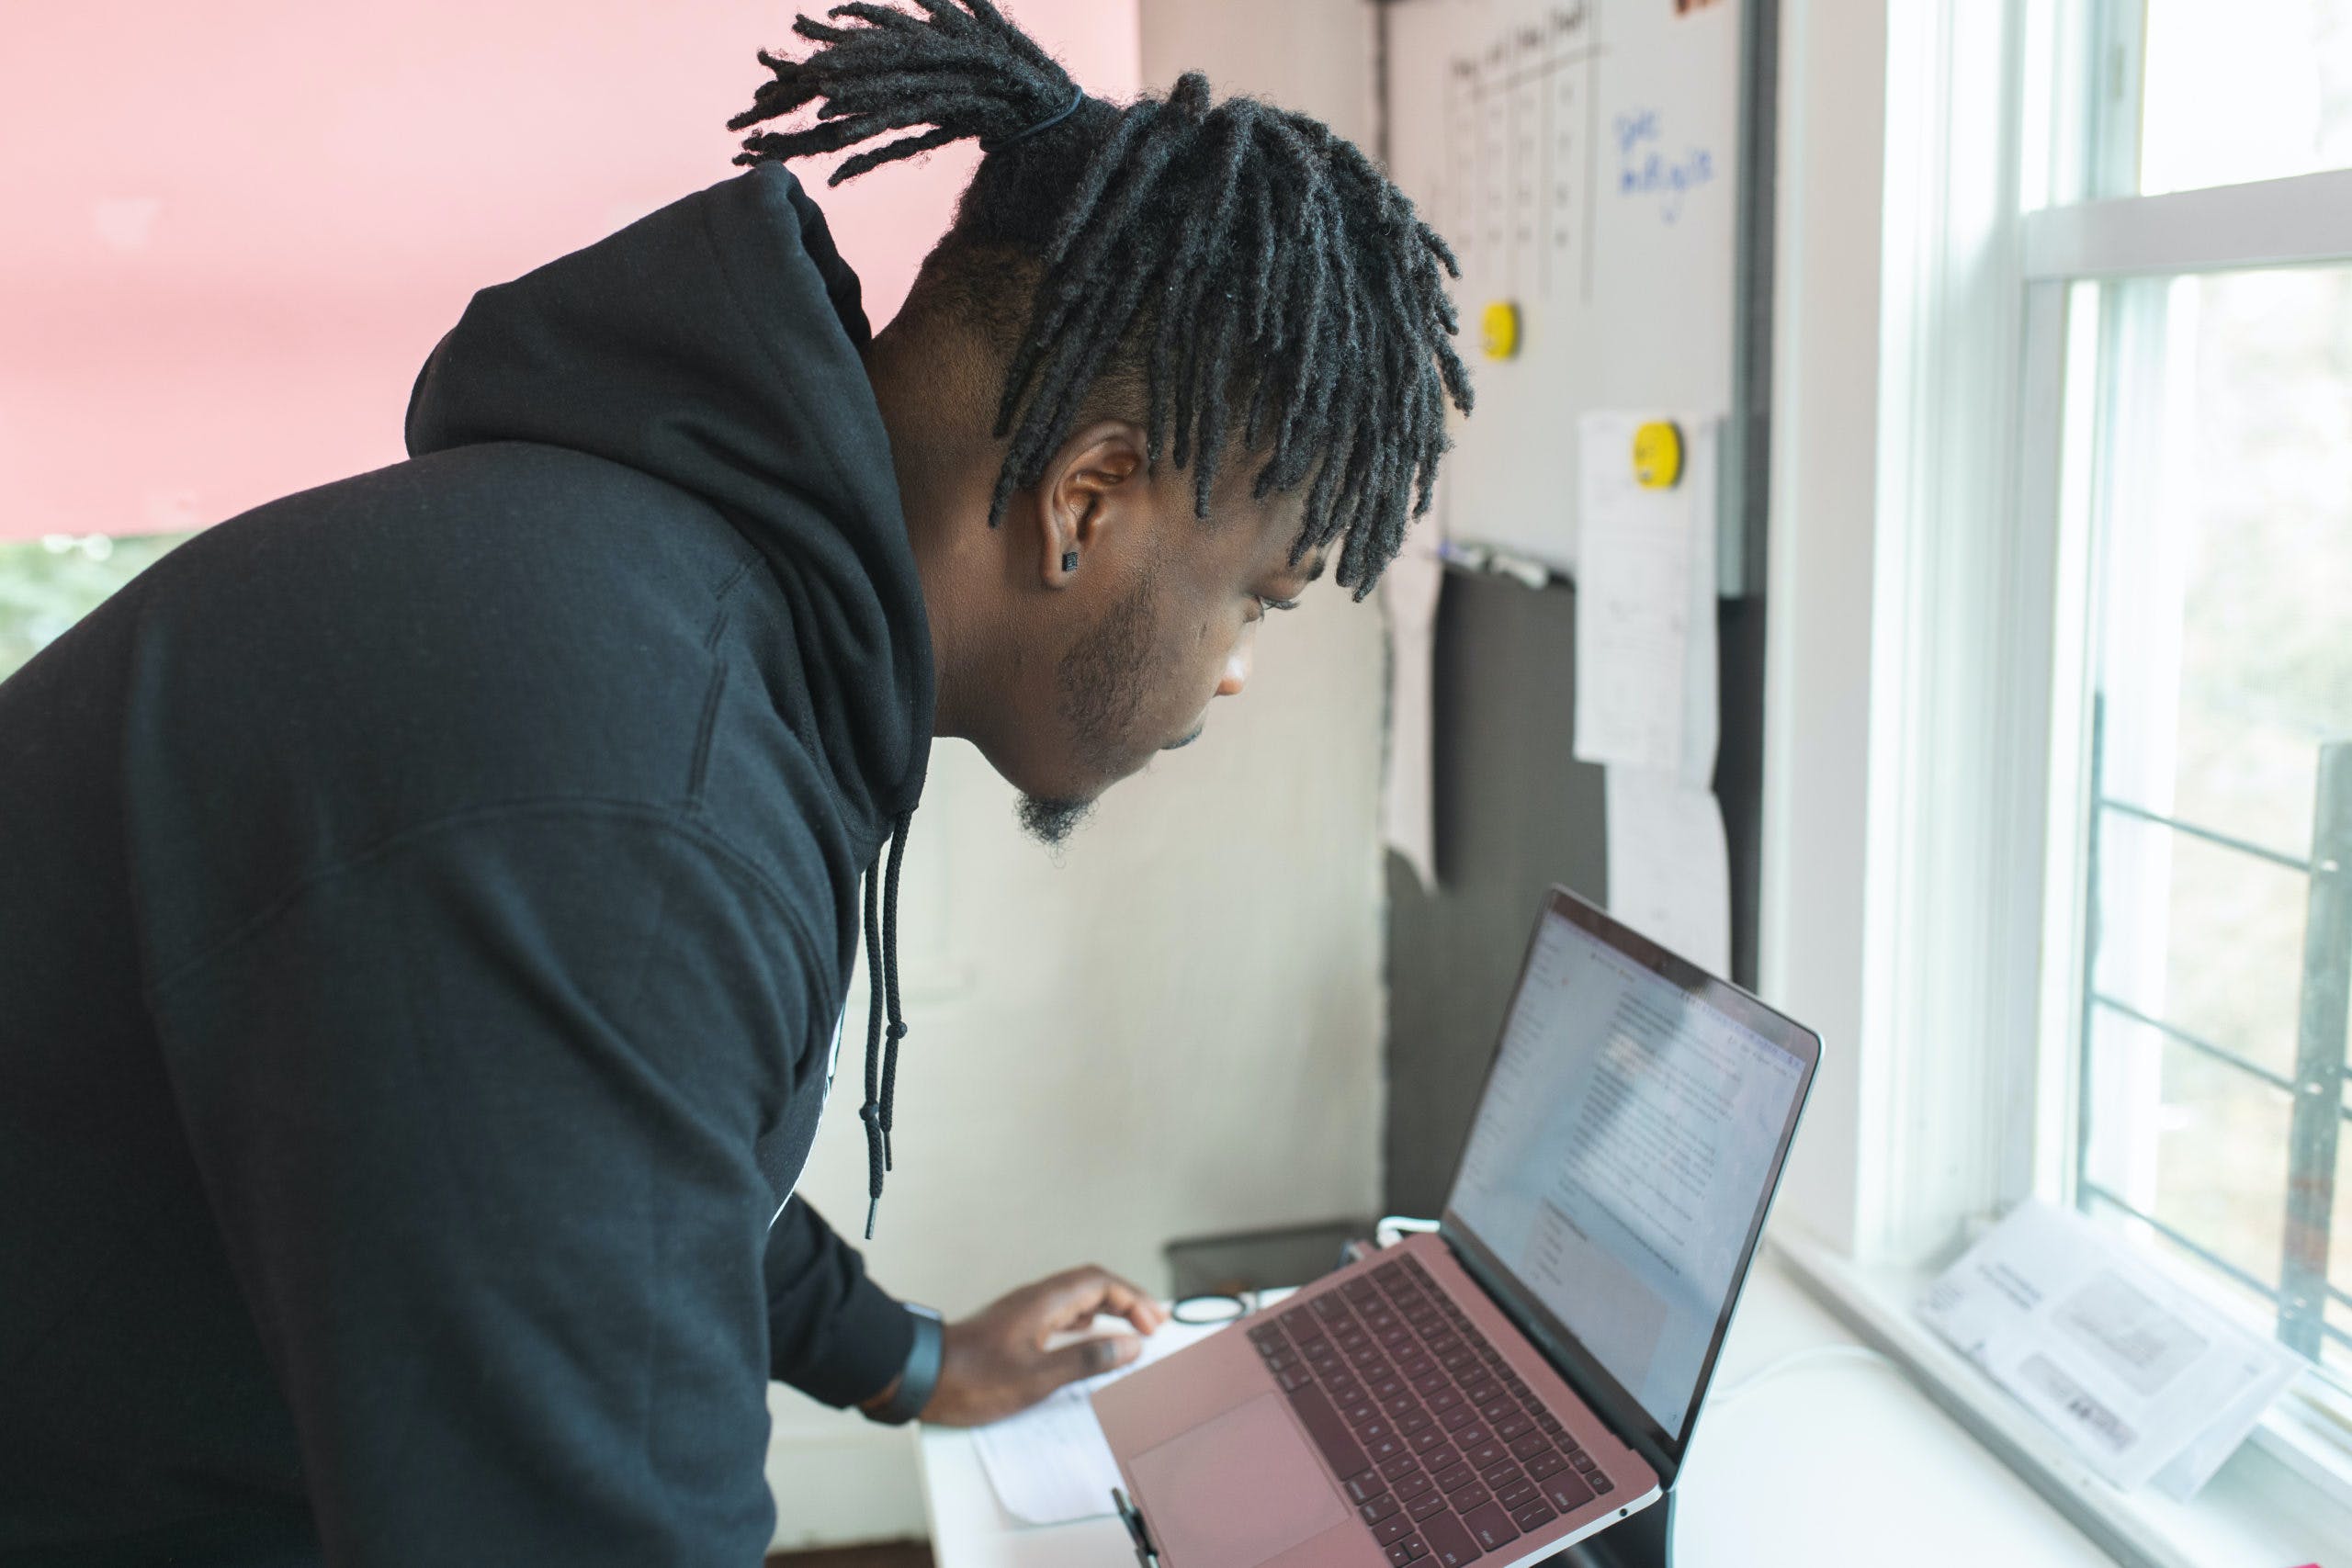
[(234, 231)]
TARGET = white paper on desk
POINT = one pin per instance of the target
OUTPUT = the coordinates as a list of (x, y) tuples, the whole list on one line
[(1410, 591), (1050, 1465), (1670, 869), (1646, 686), (2138, 1376)]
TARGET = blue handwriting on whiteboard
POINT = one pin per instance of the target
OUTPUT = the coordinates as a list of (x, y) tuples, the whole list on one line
[(1644, 167)]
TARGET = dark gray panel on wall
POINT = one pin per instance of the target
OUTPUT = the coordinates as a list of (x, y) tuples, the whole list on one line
[(1515, 813)]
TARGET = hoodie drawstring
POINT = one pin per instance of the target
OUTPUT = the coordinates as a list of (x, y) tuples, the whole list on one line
[(882, 995)]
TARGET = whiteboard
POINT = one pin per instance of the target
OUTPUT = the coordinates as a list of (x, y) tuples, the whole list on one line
[(1582, 158)]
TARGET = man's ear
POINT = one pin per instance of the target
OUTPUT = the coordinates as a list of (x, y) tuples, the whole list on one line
[(1090, 505)]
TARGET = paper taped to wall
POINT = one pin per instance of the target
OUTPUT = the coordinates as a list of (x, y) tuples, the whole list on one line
[(1645, 683), (1050, 1465), (1409, 590), (1646, 704), (1670, 869)]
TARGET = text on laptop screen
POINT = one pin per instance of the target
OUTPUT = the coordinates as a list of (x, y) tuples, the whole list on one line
[(1620, 1157)]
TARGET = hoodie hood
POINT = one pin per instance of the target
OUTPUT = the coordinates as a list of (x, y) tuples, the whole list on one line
[(716, 345)]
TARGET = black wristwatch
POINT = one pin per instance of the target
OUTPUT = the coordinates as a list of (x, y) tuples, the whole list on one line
[(921, 1374)]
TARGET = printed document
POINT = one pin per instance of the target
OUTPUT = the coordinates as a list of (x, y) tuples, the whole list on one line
[(1411, 588), (2141, 1378), (1645, 678), (1669, 864), (1646, 689), (1050, 1465)]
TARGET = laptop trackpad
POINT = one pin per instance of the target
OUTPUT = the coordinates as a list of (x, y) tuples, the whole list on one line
[(1237, 1490)]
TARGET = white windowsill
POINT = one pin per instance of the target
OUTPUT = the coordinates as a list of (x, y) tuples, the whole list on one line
[(2271, 1503)]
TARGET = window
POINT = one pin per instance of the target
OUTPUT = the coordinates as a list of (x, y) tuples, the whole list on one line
[(2096, 545), (47, 584), (2196, 307), (2211, 1038), (2239, 90)]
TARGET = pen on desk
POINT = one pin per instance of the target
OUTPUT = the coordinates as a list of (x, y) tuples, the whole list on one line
[(1132, 1517)]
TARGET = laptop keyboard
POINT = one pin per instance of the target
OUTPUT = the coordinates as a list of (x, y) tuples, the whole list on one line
[(1446, 1452)]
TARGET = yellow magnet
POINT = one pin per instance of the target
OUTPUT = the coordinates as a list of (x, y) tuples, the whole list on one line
[(1658, 454), (1501, 323)]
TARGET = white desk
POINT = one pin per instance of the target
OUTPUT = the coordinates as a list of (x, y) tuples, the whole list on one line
[(1827, 1462)]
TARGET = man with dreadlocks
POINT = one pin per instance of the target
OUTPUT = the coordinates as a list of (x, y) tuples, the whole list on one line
[(430, 897)]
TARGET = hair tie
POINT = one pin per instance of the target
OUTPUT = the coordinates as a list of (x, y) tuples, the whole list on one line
[(1046, 124)]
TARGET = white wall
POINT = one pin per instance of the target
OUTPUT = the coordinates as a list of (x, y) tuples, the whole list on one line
[(1177, 1029), (1310, 55)]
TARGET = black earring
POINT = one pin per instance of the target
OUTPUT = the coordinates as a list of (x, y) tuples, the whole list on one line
[(1069, 561)]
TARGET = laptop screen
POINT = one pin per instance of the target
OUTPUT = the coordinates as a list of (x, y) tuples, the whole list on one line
[(1626, 1145)]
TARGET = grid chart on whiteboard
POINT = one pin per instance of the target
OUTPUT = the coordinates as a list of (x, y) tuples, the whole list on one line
[(1521, 139)]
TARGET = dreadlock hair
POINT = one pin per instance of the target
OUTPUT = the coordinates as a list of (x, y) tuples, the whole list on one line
[(1233, 268)]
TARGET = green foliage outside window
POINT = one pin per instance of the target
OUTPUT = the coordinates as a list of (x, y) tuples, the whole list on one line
[(47, 584)]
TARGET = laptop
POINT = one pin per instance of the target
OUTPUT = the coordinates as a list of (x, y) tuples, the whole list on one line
[(1527, 1374)]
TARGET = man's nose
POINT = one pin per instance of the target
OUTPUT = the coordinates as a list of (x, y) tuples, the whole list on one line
[(1237, 664)]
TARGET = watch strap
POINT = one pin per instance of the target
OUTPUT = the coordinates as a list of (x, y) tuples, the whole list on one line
[(919, 1376)]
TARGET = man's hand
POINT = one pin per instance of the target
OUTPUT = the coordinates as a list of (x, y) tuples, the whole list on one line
[(995, 1363)]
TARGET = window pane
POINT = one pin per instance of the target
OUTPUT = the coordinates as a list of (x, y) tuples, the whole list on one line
[(2220, 468), (2240, 90), (2229, 554), (2201, 937), (2338, 1315), (2226, 569), (46, 586), (2257, 1310), (2198, 1145), (2337, 1352)]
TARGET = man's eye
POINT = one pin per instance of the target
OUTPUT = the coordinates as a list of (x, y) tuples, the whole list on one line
[(1265, 603)]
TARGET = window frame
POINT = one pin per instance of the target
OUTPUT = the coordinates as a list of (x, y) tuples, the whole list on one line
[(1955, 957), (2106, 239)]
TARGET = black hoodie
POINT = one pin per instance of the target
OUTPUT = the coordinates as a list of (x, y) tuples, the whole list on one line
[(425, 906)]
